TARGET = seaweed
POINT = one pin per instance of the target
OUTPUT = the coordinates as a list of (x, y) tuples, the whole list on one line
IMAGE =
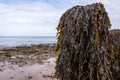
[(84, 45), (115, 39)]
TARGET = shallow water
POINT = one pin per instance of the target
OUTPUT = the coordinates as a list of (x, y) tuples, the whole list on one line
[(21, 41)]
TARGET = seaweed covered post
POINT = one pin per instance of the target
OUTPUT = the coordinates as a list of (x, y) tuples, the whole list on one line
[(84, 46)]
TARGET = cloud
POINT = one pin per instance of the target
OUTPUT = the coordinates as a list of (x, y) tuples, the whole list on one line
[(31, 18), (28, 13), (40, 17)]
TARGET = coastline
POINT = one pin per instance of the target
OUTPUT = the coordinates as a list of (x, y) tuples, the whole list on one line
[(22, 45)]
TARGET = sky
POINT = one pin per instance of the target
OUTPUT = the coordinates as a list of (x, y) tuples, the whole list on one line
[(41, 17)]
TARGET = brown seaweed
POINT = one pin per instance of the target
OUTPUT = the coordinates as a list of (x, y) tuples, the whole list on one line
[(115, 39), (84, 45)]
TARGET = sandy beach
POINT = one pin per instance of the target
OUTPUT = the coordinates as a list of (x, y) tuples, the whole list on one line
[(28, 63), (44, 71)]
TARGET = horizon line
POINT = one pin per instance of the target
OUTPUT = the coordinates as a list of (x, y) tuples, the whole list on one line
[(23, 36)]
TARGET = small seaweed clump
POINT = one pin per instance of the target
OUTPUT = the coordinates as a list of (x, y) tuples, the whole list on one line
[(84, 44)]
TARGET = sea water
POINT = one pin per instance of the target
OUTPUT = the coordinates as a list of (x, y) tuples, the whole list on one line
[(23, 41)]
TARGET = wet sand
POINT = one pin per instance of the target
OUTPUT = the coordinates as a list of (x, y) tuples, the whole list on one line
[(44, 71)]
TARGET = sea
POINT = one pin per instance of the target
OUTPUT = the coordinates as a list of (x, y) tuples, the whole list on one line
[(26, 41)]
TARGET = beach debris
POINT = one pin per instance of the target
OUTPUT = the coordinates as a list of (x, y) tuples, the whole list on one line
[(49, 76), (84, 45), (1, 70), (11, 77), (30, 77)]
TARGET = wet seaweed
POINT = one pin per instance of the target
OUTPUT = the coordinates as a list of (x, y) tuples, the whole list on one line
[(84, 45), (115, 39)]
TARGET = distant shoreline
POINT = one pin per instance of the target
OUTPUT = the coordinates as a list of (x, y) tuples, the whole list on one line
[(14, 41), (25, 45)]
